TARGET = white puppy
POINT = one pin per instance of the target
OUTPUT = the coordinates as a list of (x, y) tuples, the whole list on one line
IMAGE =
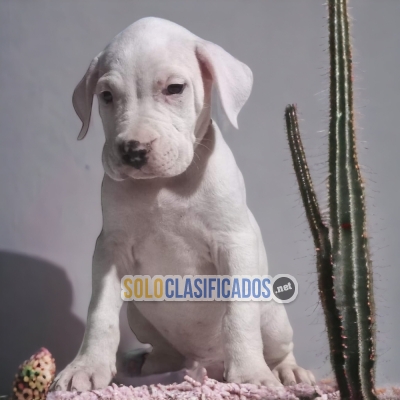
[(174, 202)]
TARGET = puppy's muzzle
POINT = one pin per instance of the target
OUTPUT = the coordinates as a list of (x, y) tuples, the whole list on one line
[(134, 153)]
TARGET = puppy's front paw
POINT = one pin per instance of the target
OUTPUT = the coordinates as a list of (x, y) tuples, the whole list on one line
[(84, 373), (258, 375), (290, 374), (196, 372)]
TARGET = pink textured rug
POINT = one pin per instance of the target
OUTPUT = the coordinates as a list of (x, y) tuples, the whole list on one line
[(210, 389)]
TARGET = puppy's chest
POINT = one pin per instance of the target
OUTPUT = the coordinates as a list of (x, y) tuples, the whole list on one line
[(171, 238)]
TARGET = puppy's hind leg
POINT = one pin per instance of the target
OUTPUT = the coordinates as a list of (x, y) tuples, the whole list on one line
[(162, 358), (277, 335)]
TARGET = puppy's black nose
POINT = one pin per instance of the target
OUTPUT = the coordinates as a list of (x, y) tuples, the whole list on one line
[(133, 153)]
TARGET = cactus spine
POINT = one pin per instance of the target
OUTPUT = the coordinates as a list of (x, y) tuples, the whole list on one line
[(343, 262)]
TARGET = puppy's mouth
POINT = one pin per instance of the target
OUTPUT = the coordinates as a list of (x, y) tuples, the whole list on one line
[(165, 161), (120, 171), (148, 172)]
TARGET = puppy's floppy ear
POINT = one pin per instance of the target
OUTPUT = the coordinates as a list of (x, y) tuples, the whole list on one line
[(82, 98), (232, 78)]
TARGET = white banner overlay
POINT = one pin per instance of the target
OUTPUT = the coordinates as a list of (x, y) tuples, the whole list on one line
[(281, 288)]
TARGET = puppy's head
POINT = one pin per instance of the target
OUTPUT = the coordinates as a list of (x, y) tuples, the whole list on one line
[(153, 84)]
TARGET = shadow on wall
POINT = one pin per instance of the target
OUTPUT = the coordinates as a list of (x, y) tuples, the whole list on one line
[(35, 311)]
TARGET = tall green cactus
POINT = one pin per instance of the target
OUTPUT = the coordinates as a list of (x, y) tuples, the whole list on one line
[(343, 262)]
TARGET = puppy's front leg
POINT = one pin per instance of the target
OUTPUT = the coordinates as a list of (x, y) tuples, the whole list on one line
[(238, 254), (94, 365)]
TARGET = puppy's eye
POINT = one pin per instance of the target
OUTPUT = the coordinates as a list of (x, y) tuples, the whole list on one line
[(106, 97), (175, 88)]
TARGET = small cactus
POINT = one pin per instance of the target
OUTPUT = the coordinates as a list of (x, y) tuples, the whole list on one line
[(34, 377)]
